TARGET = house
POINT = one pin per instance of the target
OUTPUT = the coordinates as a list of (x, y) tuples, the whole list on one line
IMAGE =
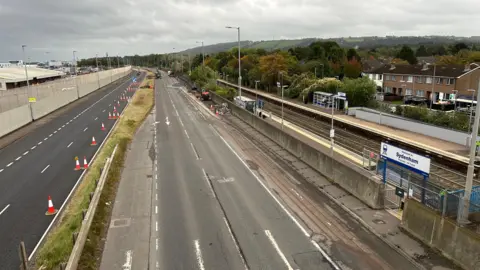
[(370, 69), (433, 82)]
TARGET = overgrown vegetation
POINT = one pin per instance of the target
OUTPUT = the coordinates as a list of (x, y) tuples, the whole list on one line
[(204, 78), (458, 120), (59, 244)]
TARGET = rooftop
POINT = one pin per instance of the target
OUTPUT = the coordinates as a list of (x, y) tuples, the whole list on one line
[(17, 74), (449, 71)]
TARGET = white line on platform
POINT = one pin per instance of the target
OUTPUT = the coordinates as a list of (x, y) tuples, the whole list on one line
[(198, 253), (280, 253), (45, 168), (4, 209), (69, 144)]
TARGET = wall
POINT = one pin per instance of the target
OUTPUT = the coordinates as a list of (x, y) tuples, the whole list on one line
[(468, 81), (15, 110), (459, 244), (414, 126), (14, 119), (359, 182)]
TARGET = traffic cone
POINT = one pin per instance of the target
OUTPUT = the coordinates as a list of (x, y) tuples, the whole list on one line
[(93, 141), (118, 115), (77, 165), (118, 102), (109, 115), (114, 116), (216, 112), (114, 109), (103, 127), (85, 163), (51, 210)]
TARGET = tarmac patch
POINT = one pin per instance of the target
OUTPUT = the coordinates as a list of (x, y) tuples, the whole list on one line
[(121, 222)]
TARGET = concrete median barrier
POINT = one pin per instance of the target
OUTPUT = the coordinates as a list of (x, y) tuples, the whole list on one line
[(14, 104), (14, 119)]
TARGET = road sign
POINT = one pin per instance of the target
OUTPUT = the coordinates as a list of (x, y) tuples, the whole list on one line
[(32, 100)]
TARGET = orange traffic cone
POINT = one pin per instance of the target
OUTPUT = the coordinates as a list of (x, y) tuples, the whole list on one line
[(85, 163), (103, 127), (114, 109), (109, 115), (51, 210), (118, 102), (118, 115), (216, 112), (93, 141), (77, 165)]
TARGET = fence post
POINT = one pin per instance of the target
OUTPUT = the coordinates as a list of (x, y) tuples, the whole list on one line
[(23, 256)]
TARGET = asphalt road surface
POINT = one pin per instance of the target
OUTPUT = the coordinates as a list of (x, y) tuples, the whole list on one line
[(212, 211), (41, 164)]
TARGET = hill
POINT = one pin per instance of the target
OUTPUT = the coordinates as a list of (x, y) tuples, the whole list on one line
[(347, 42)]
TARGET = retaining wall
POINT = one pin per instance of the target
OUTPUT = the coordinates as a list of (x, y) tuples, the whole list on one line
[(356, 180), (14, 119), (461, 245), (15, 110), (414, 126)]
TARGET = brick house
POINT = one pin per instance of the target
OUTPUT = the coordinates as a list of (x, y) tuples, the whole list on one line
[(417, 80)]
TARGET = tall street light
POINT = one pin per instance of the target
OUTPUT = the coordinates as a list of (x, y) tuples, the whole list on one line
[(203, 54), (256, 95), (239, 62), (25, 65), (471, 108), (463, 217), (74, 63)]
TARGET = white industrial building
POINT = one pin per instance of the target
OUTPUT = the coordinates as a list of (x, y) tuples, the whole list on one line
[(14, 76)]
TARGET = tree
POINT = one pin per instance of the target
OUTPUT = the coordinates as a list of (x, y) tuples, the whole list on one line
[(421, 51), (454, 49), (360, 92), (271, 65), (352, 53), (352, 68), (406, 53)]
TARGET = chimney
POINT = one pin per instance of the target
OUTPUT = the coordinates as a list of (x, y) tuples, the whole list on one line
[(392, 66), (467, 68), (425, 66)]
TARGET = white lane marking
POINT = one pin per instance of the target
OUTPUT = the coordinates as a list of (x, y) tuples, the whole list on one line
[(85, 129), (33, 147), (67, 123), (205, 176), (96, 119), (181, 122), (55, 132), (50, 135), (58, 129), (128, 260), (45, 168), (324, 254), (236, 244), (280, 253), (46, 138), (18, 158), (26, 152), (156, 196), (63, 126), (40, 142), (156, 187), (9, 164), (198, 253), (195, 151), (156, 243), (156, 209), (156, 226), (156, 177), (1, 170), (109, 105), (186, 133), (103, 111), (4, 209), (69, 144)]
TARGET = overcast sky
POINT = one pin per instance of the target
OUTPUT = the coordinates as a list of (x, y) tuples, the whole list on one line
[(128, 27)]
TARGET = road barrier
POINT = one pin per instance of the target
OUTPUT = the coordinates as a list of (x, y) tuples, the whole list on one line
[(21, 106)]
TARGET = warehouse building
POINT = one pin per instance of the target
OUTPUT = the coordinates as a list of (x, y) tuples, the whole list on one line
[(14, 76)]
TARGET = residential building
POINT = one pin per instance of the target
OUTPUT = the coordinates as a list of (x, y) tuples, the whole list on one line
[(433, 82), (370, 69)]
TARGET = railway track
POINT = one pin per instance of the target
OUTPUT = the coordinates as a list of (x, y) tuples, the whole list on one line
[(440, 175)]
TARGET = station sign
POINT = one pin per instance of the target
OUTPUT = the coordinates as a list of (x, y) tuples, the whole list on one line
[(412, 161)]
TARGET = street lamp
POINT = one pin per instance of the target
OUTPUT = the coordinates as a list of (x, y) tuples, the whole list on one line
[(203, 54), (471, 109), (256, 95), (463, 217), (25, 65), (332, 131), (98, 71), (239, 62), (74, 63)]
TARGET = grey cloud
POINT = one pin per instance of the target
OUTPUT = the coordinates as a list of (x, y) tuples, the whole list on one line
[(152, 26)]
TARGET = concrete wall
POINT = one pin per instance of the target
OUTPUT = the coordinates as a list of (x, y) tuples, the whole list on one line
[(414, 126), (356, 180), (461, 245), (14, 119), (15, 109)]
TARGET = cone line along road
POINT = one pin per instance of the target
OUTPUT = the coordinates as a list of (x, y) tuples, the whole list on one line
[(47, 168)]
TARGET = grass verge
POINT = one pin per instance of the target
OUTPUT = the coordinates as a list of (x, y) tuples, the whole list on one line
[(58, 245)]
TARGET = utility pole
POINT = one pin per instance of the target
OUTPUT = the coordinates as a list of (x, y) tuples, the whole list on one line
[(239, 62), (463, 217), (98, 71)]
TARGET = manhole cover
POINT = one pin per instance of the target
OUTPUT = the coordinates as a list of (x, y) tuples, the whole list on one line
[(123, 222), (378, 221)]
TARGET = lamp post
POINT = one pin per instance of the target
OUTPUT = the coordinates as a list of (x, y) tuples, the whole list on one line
[(256, 95), (75, 72), (463, 217), (239, 62), (98, 71), (203, 55), (26, 77), (471, 109), (332, 131)]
